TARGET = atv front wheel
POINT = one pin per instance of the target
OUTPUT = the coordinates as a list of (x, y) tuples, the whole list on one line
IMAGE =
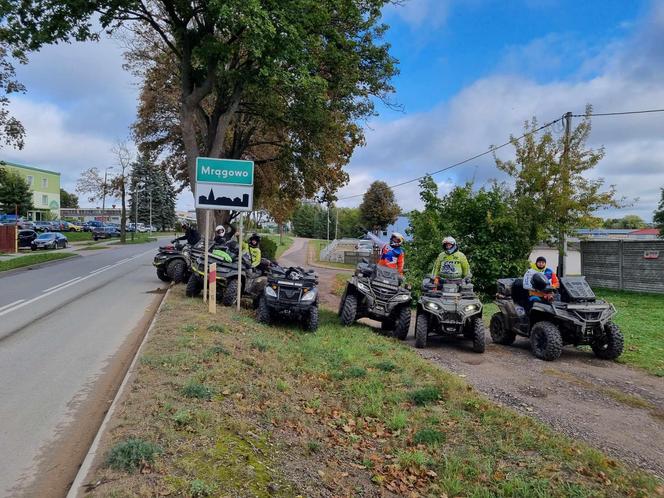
[(264, 315), (499, 332), (230, 293), (176, 270), (194, 286), (610, 346), (163, 276), (421, 330), (310, 321), (348, 310), (403, 323), (545, 341), (476, 325)]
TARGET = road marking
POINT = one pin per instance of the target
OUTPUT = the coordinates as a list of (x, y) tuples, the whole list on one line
[(100, 269), (60, 285), (11, 304), (20, 304)]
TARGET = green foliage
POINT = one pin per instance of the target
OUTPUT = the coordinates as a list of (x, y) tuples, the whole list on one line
[(349, 224), (130, 454), (195, 389), (629, 221), (15, 193), (68, 200), (268, 248), (378, 208), (552, 194), (485, 224), (148, 181), (658, 216), (425, 395), (12, 132), (199, 489), (430, 437), (310, 220)]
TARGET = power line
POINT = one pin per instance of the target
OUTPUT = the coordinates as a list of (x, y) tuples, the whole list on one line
[(646, 111), (493, 149), (472, 158)]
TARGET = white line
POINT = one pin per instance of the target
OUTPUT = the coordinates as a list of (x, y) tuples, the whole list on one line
[(100, 269), (11, 304), (19, 304), (60, 285)]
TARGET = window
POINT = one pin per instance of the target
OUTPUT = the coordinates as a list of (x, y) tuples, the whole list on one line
[(44, 200), (44, 182), (31, 180)]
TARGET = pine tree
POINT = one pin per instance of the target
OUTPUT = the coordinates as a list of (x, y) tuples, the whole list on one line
[(151, 185)]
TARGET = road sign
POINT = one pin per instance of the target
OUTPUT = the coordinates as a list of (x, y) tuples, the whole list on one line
[(224, 184)]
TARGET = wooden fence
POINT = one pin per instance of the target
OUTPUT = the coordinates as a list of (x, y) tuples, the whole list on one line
[(634, 265), (7, 238)]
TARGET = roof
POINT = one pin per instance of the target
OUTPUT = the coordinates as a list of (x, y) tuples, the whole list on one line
[(645, 231), (604, 231), (16, 165)]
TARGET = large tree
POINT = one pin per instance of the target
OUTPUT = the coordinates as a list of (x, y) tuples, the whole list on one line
[(12, 132), (378, 208), (284, 83), (15, 193), (658, 217), (554, 196), (67, 199), (628, 221), (152, 194)]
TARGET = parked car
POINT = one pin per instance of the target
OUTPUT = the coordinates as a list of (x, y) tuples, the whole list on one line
[(26, 225), (364, 246), (89, 226), (49, 240), (105, 232), (25, 237), (74, 227), (43, 226), (9, 219)]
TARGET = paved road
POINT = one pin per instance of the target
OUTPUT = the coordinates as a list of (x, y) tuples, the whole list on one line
[(67, 332)]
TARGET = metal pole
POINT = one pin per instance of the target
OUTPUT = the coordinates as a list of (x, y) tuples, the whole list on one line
[(205, 257), (136, 213), (328, 222), (150, 230), (103, 198), (336, 224), (239, 266), (564, 176)]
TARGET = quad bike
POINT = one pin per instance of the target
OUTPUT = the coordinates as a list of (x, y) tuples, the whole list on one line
[(173, 262), (377, 292), (575, 316), (253, 280), (449, 309), (290, 293)]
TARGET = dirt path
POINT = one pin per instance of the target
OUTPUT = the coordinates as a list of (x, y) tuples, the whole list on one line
[(615, 408)]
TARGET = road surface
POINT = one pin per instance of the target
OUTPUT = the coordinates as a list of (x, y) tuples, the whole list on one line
[(67, 334)]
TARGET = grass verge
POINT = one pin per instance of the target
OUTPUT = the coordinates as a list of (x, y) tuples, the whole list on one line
[(33, 259), (339, 284), (281, 246), (241, 409), (140, 238)]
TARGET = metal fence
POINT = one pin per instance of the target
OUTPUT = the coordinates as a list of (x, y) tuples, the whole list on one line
[(632, 265)]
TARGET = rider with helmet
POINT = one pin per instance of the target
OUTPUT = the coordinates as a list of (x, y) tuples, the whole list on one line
[(540, 281), (451, 264), (252, 247), (220, 235), (191, 235), (540, 266), (392, 254)]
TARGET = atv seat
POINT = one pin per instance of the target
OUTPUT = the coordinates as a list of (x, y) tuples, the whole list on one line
[(519, 294)]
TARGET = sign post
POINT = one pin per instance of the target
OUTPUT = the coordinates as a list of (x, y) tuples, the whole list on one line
[(239, 266), (212, 302), (205, 255), (223, 184)]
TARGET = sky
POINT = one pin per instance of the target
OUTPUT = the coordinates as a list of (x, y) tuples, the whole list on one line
[(471, 73)]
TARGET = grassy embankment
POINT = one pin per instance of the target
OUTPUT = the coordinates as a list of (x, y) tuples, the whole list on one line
[(224, 406), (33, 259)]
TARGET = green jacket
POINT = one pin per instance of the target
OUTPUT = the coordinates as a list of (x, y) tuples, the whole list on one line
[(451, 266), (254, 252)]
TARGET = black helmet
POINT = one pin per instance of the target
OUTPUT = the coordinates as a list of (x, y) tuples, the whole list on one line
[(540, 282), (254, 240)]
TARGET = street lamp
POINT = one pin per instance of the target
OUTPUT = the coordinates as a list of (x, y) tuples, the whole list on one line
[(103, 198)]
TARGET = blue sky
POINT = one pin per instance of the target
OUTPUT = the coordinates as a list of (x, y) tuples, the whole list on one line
[(471, 72)]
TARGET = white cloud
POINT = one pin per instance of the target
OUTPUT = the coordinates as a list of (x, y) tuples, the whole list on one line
[(419, 13), (488, 111)]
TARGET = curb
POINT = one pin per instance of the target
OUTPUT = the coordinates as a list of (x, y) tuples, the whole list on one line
[(37, 265), (76, 487)]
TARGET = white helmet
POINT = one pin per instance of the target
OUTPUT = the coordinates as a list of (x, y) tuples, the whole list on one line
[(220, 230), (450, 240), (399, 239)]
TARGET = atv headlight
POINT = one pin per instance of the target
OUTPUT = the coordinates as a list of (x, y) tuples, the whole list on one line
[(270, 291), (432, 306), (363, 288), (309, 296), (470, 307), (401, 297)]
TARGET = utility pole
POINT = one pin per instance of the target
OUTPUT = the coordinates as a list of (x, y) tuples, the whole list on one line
[(328, 222), (150, 212), (564, 176), (336, 224), (103, 197)]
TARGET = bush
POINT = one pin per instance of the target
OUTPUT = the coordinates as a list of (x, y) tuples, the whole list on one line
[(425, 395), (129, 455), (268, 248)]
